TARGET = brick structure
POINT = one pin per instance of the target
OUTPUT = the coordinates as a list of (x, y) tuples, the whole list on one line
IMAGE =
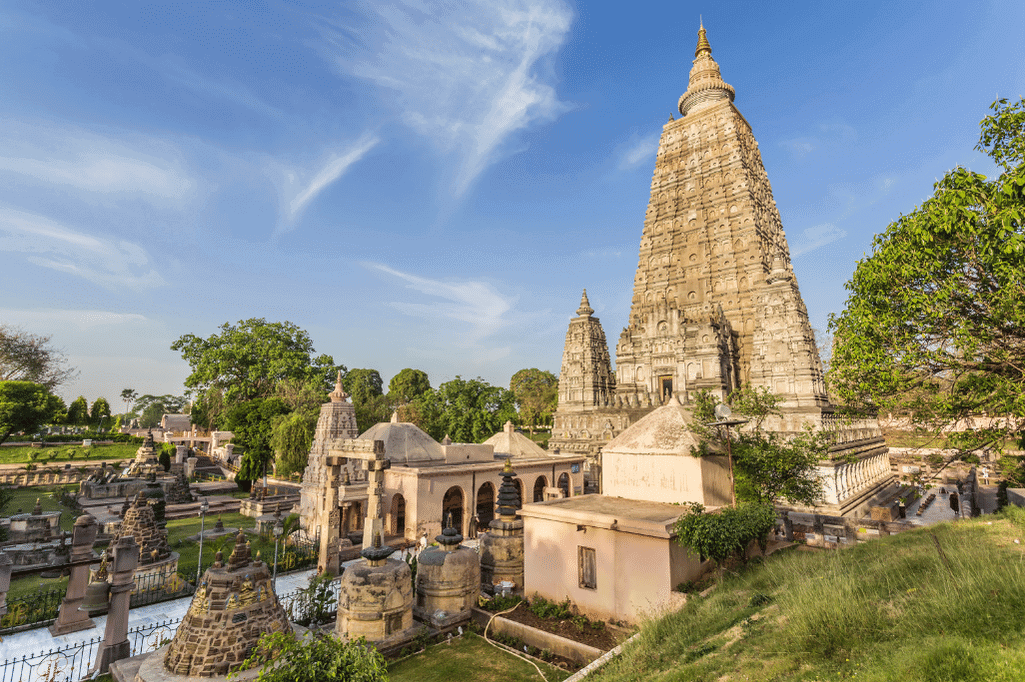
[(715, 301), (178, 491), (234, 605), (140, 523), (147, 460)]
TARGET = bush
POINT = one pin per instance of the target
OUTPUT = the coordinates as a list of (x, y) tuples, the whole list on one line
[(501, 603), (284, 657), (549, 610), (727, 532)]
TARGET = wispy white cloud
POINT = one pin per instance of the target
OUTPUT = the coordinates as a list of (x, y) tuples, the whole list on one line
[(815, 237), (335, 167), (466, 75), (108, 262), (82, 319), (221, 88), (476, 304), (639, 151), (826, 135), (83, 160)]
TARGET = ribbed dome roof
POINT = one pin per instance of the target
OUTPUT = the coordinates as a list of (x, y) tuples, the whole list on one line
[(405, 443)]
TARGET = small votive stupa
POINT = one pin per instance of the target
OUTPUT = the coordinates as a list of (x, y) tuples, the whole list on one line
[(155, 555), (447, 580), (501, 548), (375, 598), (147, 460), (234, 605)]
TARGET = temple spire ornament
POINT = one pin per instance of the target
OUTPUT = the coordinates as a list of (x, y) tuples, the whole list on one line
[(585, 308)]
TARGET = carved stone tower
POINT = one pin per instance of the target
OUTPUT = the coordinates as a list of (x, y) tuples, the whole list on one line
[(715, 302), (337, 420)]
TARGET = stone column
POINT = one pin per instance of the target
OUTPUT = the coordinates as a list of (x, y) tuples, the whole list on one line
[(5, 581), (70, 619), (375, 487), (115, 645), (190, 466), (330, 519)]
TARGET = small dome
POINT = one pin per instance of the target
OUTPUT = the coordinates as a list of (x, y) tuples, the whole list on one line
[(665, 430), (405, 443), (509, 443)]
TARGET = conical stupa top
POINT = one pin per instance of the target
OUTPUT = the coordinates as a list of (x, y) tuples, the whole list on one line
[(585, 306), (703, 44), (339, 395), (706, 85)]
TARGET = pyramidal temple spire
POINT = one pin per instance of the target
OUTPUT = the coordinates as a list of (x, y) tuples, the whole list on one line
[(706, 84), (585, 306)]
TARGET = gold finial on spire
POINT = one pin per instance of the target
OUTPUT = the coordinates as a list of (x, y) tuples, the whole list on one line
[(703, 45)]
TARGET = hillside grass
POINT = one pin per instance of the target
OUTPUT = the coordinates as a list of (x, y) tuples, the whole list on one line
[(22, 454), (468, 658), (890, 610)]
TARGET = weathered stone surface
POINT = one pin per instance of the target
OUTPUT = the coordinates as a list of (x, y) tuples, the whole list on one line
[(447, 581), (375, 598), (501, 548), (140, 522), (234, 605)]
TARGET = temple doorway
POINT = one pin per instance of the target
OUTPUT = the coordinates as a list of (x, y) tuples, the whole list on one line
[(564, 484), (452, 503), (539, 488), (485, 505), (398, 515)]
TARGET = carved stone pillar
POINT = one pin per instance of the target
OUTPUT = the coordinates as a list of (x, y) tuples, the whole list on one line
[(70, 619), (115, 645)]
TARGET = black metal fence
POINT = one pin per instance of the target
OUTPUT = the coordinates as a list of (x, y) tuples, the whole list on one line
[(66, 664), (152, 636), (156, 587), (36, 608), (313, 605)]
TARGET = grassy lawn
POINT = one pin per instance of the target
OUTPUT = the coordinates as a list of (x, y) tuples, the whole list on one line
[(893, 609), (25, 500), (468, 658), (22, 454)]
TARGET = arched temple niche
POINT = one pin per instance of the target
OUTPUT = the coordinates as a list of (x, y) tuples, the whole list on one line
[(452, 503), (485, 504), (564, 483), (539, 489), (397, 525)]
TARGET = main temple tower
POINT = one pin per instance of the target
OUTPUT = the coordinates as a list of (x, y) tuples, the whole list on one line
[(715, 302), (715, 305)]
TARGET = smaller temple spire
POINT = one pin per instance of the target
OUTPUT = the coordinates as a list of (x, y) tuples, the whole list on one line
[(585, 308), (339, 395)]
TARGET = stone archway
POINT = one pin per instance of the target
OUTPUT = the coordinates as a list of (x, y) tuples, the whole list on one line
[(519, 489), (398, 515), (485, 505), (453, 503), (539, 488), (564, 484)]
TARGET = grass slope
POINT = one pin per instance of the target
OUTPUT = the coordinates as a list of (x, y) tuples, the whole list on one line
[(897, 609), (468, 658), (22, 454)]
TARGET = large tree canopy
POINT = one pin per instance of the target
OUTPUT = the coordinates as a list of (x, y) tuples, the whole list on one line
[(408, 385), (24, 407), (468, 411), (28, 357), (934, 327), (537, 395), (248, 359)]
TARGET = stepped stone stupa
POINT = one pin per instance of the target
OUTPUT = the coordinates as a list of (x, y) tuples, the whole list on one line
[(715, 302)]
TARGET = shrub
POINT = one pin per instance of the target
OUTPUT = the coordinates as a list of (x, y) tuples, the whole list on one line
[(549, 610)]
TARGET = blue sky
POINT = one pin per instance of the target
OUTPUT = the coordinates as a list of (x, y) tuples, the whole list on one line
[(431, 185)]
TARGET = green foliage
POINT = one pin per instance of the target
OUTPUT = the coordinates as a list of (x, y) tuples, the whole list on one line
[(99, 409), (314, 604), (291, 437), (152, 408), (549, 610), (725, 533), (468, 411), (78, 412), (24, 407), (247, 360), (934, 327), (128, 396), (537, 395), (767, 466), (251, 422), (501, 602), (284, 657), (364, 386), (29, 357), (408, 385), (167, 454)]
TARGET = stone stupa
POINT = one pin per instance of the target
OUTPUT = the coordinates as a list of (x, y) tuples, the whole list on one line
[(501, 548), (375, 598), (234, 605), (447, 580)]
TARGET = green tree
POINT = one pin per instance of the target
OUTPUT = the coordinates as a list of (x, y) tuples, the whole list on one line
[(291, 438), (24, 407), (251, 422), (468, 411), (29, 357), (129, 396), (934, 326), (99, 409), (247, 360), (363, 385), (152, 408), (408, 385), (60, 411), (537, 395), (285, 657), (78, 412), (727, 532), (767, 466)]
